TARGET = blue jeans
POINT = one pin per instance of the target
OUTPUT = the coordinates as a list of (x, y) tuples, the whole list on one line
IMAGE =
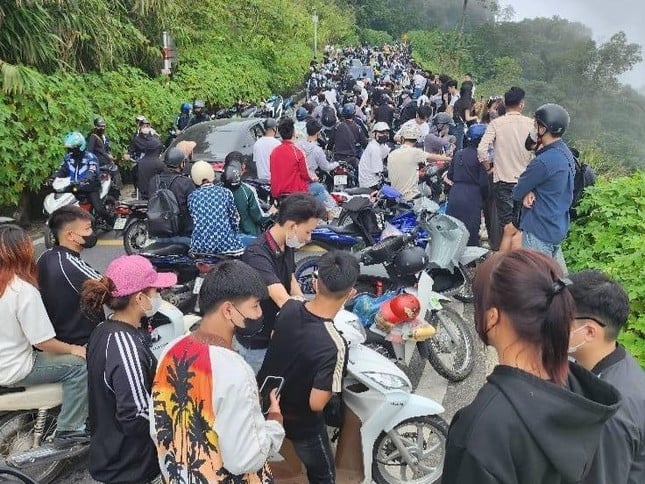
[(315, 453), (71, 372), (530, 241), (320, 193), (254, 358)]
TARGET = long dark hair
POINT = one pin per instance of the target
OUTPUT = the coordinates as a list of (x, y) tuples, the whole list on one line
[(16, 257), (525, 285)]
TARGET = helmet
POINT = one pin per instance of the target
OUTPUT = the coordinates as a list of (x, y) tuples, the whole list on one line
[(99, 122), (301, 114), (476, 131), (357, 89), (348, 110), (202, 171), (381, 126), (185, 107), (401, 308), (198, 105), (443, 118), (232, 176), (410, 261), (141, 119), (411, 131), (74, 140), (270, 123), (174, 157), (553, 117)]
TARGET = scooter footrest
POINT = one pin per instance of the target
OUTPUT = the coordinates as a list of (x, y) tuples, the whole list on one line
[(45, 454)]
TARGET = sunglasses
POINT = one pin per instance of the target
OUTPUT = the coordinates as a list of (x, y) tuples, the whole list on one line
[(595, 320)]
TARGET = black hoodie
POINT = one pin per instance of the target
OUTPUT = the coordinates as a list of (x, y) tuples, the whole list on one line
[(525, 430)]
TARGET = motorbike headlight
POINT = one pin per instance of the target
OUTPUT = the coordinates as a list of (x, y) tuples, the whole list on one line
[(388, 381)]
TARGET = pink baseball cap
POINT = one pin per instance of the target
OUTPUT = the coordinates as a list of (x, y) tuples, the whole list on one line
[(133, 273)]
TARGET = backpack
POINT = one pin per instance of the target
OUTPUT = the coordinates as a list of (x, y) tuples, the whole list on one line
[(328, 117), (584, 177), (163, 209)]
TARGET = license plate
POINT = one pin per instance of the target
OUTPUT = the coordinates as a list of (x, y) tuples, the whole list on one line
[(340, 179), (198, 285), (119, 224)]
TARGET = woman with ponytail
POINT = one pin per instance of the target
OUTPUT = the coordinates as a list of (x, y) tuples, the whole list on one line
[(120, 369), (539, 417)]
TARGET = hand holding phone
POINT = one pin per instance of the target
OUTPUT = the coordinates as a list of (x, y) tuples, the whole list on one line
[(270, 393)]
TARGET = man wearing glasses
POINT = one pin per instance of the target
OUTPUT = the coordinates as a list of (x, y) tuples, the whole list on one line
[(602, 308)]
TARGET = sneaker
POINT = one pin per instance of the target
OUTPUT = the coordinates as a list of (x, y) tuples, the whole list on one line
[(71, 437)]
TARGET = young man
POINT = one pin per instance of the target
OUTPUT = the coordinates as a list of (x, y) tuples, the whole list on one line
[(206, 417), (272, 255), (602, 308), (62, 272), (546, 187), (370, 166), (421, 120), (287, 164), (311, 355), (263, 148)]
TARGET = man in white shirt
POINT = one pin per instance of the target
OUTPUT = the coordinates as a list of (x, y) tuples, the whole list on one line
[(420, 121), (262, 149), (370, 166), (454, 95)]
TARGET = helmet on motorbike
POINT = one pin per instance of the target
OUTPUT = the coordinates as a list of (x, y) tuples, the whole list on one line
[(202, 172), (301, 114), (74, 140), (348, 110), (185, 107), (174, 157), (401, 308), (410, 261), (99, 122), (410, 131), (232, 175), (199, 105), (476, 131), (442, 119), (553, 117), (381, 126)]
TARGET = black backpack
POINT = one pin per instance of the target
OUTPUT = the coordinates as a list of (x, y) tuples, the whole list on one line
[(163, 209), (328, 117), (585, 176)]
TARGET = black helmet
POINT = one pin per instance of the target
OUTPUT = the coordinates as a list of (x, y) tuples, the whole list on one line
[(410, 261), (99, 122), (232, 176), (174, 157), (553, 117)]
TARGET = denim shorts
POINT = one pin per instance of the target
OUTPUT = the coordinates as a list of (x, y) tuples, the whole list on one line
[(531, 241)]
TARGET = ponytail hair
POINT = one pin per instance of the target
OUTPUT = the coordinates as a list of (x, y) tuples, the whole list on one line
[(529, 288), (98, 292)]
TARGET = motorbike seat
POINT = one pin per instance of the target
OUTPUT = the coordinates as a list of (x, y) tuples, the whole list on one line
[(6, 390), (258, 181), (167, 249), (136, 203), (349, 229), (358, 191), (204, 255), (44, 395)]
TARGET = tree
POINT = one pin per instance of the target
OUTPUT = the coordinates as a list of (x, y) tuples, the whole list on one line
[(613, 58)]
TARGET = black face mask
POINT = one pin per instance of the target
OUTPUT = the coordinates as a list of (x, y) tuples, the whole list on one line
[(251, 326), (89, 241), (382, 139)]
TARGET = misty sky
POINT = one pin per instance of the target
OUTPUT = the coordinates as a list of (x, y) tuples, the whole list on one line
[(604, 17)]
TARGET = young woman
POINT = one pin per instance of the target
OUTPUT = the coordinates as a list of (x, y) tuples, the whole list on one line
[(539, 417), (25, 325), (121, 368)]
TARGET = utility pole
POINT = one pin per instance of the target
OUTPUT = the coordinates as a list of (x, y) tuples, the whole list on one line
[(314, 17)]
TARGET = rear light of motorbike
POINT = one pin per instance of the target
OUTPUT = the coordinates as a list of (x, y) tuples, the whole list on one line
[(339, 198), (122, 210), (341, 170)]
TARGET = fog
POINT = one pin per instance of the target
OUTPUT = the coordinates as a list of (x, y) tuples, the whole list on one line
[(603, 17)]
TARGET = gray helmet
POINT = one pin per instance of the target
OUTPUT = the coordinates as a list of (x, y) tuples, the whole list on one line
[(99, 122), (443, 118), (553, 117), (174, 157), (270, 123), (198, 105)]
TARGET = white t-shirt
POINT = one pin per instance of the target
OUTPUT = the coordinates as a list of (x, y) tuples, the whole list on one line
[(370, 166), (261, 151), (424, 128), (24, 324)]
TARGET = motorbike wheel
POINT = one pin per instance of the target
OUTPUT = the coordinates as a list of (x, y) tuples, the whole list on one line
[(16, 435), (48, 235), (135, 237), (451, 350), (425, 440)]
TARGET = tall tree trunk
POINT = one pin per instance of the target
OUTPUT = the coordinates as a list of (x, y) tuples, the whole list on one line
[(463, 19)]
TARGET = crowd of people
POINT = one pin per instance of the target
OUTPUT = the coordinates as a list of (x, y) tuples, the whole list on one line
[(195, 415)]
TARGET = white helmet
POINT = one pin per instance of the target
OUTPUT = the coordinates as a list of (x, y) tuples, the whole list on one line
[(381, 126), (202, 171), (411, 132)]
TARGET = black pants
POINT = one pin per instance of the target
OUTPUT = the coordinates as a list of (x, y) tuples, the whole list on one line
[(99, 209), (318, 458)]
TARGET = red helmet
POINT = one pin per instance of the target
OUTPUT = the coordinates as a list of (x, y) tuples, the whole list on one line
[(401, 309)]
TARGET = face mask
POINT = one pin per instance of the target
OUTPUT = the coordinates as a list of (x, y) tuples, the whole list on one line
[(89, 241), (251, 326), (573, 349), (146, 130), (293, 241), (155, 304), (382, 139)]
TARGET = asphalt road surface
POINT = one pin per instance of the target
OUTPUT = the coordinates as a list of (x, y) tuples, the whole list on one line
[(453, 396)]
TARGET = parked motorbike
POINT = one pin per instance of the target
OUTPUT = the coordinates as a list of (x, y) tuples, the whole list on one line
[(32, 411), (272, 107), (131, 222), (388, 435), (66, 193)]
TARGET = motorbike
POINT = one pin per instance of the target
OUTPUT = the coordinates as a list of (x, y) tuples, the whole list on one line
[(431, 181), (65, 192), (272, 107), (131, 223), (387, 434), (31, 412)]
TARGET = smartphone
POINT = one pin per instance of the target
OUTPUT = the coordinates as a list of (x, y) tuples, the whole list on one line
[(270, 383)]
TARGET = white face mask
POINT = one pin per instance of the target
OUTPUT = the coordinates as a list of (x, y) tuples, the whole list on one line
[(155, 304), (146, 130), (573, 349), (293, 241)]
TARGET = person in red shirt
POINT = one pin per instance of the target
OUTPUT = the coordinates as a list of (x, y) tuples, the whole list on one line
[(289, 173)]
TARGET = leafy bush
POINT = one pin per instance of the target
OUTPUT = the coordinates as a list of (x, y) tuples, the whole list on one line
[(610, 236), (375, 37)]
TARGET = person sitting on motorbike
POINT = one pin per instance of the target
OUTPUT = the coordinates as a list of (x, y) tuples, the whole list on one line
[(181, 123), (82, 168), (301, 124), (25, 326), (253, 220), (438, 141), (121, 368), (199, 114), (420, 120), (99, 144), (181, 186), (215, 218), (370, 166), (347, 137), (149, 165)]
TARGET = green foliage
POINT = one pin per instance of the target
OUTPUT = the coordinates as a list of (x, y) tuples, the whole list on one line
[(441, 51), (609, 236), (375, 37)]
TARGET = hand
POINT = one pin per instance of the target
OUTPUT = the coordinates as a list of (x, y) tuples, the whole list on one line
[(274, 398), (529, 199), (79, 351)]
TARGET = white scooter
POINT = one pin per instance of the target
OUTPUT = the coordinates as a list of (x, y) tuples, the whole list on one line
[(30, 412), (388, 435)]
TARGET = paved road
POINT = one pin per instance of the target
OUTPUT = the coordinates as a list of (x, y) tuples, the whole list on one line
[(452, 396)]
